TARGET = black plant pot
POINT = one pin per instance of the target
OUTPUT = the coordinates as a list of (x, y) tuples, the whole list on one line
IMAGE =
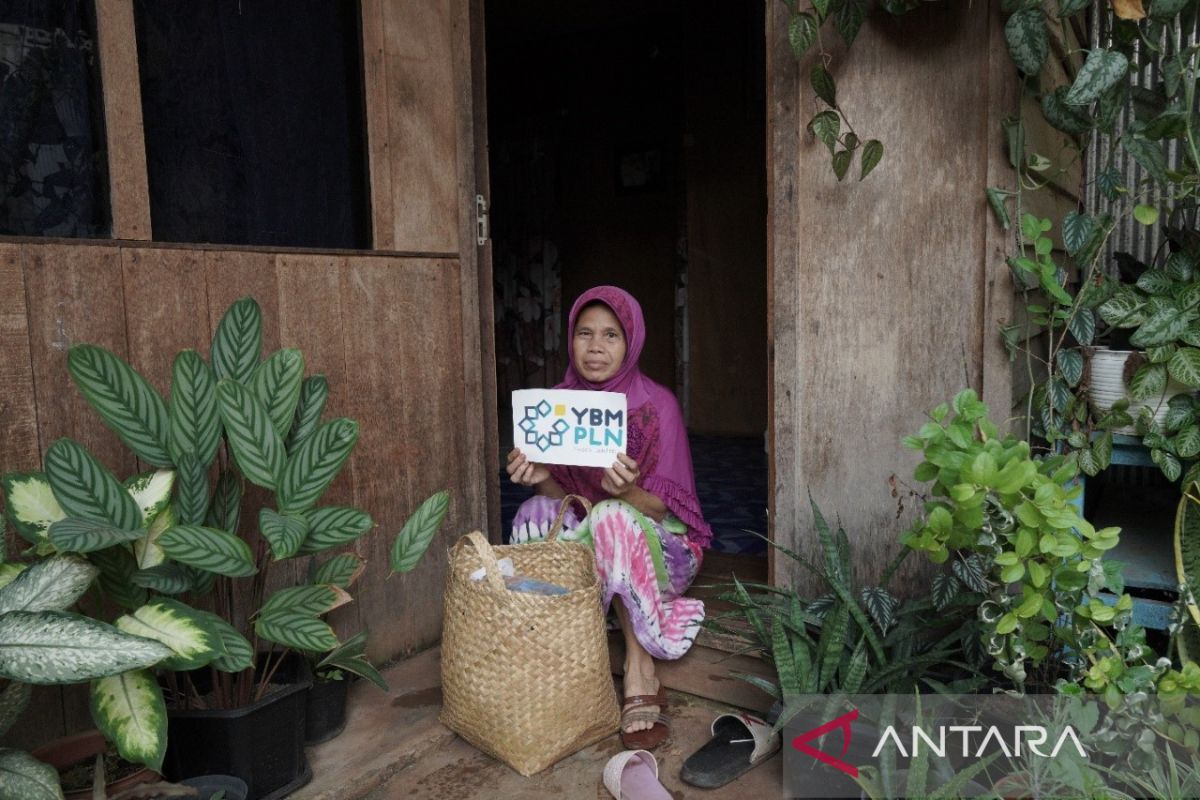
[(326, 714), (262, 743)]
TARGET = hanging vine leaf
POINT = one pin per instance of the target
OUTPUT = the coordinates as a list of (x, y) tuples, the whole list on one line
[(872, 154), (1083, 326), (841, 163), (802, 32), (997, 200), (1102, 70), (1028, 44), (1070, 362), (823, 85), (826, 126), (848, 19), (1063, 116), (1076, 229)]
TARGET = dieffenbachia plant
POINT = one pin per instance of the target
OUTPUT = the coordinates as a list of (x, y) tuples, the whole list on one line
[(42, 642), (174, 532)]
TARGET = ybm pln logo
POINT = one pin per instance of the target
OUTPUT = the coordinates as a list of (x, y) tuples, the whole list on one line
[(562, 426)]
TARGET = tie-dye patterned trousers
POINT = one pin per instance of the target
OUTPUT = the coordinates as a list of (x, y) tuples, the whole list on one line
[(637, 560)]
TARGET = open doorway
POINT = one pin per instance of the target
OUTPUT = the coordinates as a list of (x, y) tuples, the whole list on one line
[(627, 146)]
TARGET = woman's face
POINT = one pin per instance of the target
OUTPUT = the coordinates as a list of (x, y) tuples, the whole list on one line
[(599, 345)]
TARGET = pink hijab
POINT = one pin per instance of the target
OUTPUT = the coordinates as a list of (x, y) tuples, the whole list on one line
[(657, 436)]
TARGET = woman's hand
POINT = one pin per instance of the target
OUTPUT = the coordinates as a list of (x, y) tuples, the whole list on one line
[(621, 476), (525, 472)]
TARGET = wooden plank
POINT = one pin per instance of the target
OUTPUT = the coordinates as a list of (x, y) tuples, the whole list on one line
[(75, 296), (887, 308), (999, 300), (419, 47), (483, 269), (405, 341), (20, 450), (783, 290), (125, 143), (311, 318), (481, 438), (166, 300), (379, 152)]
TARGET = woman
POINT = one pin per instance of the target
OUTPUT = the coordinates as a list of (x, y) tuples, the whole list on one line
[(646, 524)]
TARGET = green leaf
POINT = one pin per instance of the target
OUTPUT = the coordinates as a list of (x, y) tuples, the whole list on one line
[(209, 549), (997, 200), (152, 492), (124, 400), (1147, 215), (1166, 10), (1102, 449), (1063, 116), (238, 654), (298, 631), (1102, 70), (826, 126), (1187, 442), (1168, 463), (341, 570), (315, 464), (30, 504), (195, 424), (85, 489), (1161, 327), (333, 526), (226, 508), (802, 32), (255, 444), (1155, 281), (85, 536), (1083, 326), (313, 394), (358, 666), (1070, 362), (192, 640), (1149, 154), (1184, 366), (823, 85), (1180, 267), (821, 7), (1068, 7), (1149, 381), (53, 584), (848, 19), (841, 162), (117, 566), (872, 154), (1025, 33), (54, 647), (276, 382), (146, 551), (418, 532), (13, 702), (310, 601), (193, 489), (1076, 230), (23, 776), (1123, 310), (165, 578), (284, 532), (237, 343), (1109, 182), (130, 710)]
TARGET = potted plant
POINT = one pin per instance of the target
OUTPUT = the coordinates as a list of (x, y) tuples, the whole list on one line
[(174, 534)]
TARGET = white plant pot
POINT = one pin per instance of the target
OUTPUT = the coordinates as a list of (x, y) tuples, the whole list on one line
[(1107, 386)]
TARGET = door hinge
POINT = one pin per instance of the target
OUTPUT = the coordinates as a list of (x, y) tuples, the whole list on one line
[(481, 220)]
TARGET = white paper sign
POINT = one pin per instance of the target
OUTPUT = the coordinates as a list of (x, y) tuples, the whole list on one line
[(565, 426)]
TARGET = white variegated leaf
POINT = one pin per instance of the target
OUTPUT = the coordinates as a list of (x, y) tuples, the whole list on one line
[(54, 647), (23, 776), (152, 492), (146, 550), (184, 630), (53, 584), (30, 504), (129, 709)]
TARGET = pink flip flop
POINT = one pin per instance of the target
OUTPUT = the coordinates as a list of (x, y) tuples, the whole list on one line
[(633, 775)]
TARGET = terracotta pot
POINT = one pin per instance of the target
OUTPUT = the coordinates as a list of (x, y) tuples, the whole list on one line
[(62, 754)]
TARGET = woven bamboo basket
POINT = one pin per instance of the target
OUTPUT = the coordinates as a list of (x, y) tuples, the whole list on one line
[(526, 677)]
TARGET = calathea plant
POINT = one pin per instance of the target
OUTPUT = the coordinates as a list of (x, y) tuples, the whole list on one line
[(174, 535)]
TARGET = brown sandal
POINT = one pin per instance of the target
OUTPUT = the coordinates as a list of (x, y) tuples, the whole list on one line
[(635, 710)]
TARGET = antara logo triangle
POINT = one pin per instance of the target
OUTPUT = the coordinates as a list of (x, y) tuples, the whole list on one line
[(843, 722)]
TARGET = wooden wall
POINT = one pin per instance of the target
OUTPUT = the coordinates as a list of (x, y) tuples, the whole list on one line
[(886, 294), (396, 329)]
